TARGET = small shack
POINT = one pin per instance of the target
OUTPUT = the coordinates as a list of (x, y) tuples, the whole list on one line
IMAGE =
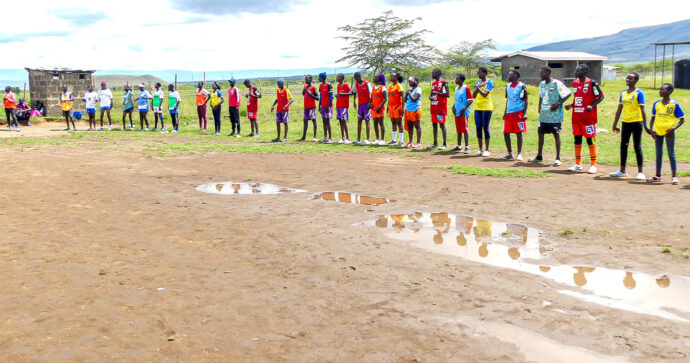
[(562, 65), (45, 85), (610, 73)]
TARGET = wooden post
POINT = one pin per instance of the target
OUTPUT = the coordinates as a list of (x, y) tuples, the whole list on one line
[(24, 91), (654, 66), (176, 81), (663, 63), (204, 77), (673, 58)]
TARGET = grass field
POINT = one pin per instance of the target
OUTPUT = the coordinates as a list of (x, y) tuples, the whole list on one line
[(608, 142)]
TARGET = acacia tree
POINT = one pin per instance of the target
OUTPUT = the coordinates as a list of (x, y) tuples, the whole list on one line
[(468, 55), (386, 43)]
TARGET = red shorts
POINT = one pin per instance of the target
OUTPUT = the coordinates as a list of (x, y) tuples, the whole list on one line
[(251, 115), (437, 118), (514, 123), (583, 129), (461, 124)]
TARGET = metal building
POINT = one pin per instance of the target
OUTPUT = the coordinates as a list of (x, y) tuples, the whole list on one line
[(562, 65)]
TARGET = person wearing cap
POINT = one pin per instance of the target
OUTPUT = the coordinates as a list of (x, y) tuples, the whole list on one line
[(283, 101), (105, 100), (66, 99), (143, 105), (234, 101), (127, 107)]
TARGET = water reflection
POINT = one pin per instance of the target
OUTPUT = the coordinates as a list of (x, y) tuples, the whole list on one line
[(519, 247), (227, 188), (353, 198)]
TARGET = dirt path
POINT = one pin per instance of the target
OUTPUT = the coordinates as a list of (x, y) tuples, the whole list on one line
[(111, 255)]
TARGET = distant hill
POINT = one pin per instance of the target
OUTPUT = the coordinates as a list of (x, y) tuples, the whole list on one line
[(121, 80), (630, 45)]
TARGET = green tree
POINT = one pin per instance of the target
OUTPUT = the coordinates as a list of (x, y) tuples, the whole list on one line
[(469, 55), (386, 43)]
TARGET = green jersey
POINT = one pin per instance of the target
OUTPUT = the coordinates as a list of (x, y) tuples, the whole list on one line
[(128, 100), (157, 98), (551, 94)]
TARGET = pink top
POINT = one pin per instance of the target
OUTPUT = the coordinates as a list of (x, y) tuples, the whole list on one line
[(234, 98)]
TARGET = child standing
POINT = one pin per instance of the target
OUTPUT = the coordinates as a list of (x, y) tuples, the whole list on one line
[(127, 107), (90, 98), (143, 106), (461, 108), (631, 105), (326, 103), (342, 106), (667, 117), (105, 100), (413, 111), (552, 94), (157, 105), (66, 99), (586, 96), (483, 109), (216, 101), (252, 107), (395, 109), (362, 103), (201, 102), (174, 101), (379, 97), (515, 114), (439, 106), (9, 100), (310, 99), (234, 101), (283, 101)]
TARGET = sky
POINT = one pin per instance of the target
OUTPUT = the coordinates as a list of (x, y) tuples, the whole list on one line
[(277, 34)]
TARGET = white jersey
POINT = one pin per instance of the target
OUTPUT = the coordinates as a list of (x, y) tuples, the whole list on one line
[(91, 98), (105, 97)]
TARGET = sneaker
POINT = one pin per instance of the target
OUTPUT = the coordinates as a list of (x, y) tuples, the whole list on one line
[(18, 128), (28, 124), (507, 156), (174, 130), (238, 135), (392, 143), (592, 169), (153, 129), (519, 157), (535, 159), (283, 140), (641, 176), (432, 146), (467, 150), (443, 147), (275, 140), (9, 128), (400, 144), (301, 139), (329, 141), (486, 153), (575, 168), (348, 142), (675, 180), (478, 153), (356, 142), (141, 129), (557, 162), (67, 129), (619, 174), (100, 129), (341, 141), (417, 145), (110, 128), (408, 145), (313, 139), (366, 142), (232, 133), (146, 129)]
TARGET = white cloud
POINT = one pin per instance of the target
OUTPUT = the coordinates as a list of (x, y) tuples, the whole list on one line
[(154, 34)]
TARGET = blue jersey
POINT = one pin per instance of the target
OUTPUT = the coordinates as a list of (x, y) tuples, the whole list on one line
[(144, 100), (411, 105), (515, 97), (462, 96)]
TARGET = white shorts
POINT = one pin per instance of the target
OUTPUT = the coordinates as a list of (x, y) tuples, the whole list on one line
[(157, 110)]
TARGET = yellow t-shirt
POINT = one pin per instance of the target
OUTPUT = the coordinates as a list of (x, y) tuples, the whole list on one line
[(482, 103), (631, 101), (215, 98), (65, 101), (666, 116)]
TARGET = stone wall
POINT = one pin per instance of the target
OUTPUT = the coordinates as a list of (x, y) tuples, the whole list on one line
[(46, 86)]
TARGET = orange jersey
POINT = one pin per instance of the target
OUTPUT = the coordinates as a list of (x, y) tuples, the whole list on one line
[(376, 100), (395, 100), (9, 100)]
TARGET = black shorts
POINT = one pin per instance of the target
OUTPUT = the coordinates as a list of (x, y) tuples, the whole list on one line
[(66, 114), (550, 128)]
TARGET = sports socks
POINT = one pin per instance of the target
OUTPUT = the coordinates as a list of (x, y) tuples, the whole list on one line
[(578, 154), (395, 135), (593, 153)]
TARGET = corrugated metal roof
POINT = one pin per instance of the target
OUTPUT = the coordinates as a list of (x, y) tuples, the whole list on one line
[(553, 56), (60, 70)]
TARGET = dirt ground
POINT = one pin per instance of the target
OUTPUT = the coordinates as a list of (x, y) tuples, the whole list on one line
[(112, 254)]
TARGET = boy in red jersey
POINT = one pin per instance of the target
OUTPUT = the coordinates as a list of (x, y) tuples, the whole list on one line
[(252, 107), (439, 106), (342, 106), (363, 99), (587, 95), (326, 105), (283, 101), (310, 99)]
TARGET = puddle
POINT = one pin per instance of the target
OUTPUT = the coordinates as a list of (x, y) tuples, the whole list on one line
[(345, 197), (520, 248), (245, 188)]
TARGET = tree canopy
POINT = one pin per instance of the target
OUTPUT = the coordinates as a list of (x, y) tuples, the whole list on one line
[(386, 43), (468, 55)]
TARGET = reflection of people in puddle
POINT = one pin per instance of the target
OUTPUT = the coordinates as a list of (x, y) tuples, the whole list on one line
[(663, 281), (483, 228), (345, 197), (438, 236), (461, 239), (398, 221), (544, 268), (464, 224), (440, 219), (629, 281), (513, 253), (219, 187), (236, 187), (579, 276), (382, 221), (518, 230)]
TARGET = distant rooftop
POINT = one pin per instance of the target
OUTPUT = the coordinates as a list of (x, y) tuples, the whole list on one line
[(61, 70), (553, 56)]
